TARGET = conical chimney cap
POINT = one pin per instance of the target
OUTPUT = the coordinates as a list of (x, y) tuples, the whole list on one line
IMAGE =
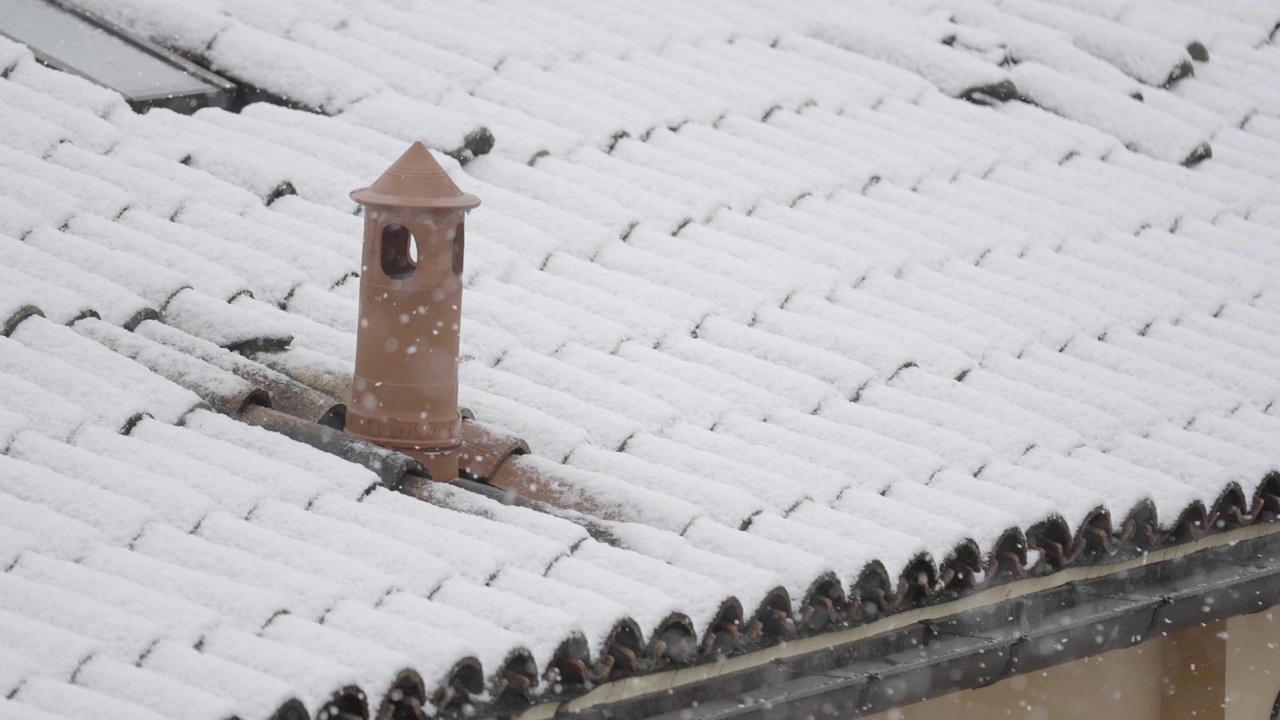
[(415, 180)]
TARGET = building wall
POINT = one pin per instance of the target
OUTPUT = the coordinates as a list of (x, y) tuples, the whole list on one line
[(1224, 671), (1253, 665)]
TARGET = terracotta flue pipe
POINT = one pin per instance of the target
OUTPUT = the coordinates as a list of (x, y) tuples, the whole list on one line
[(405, 392)]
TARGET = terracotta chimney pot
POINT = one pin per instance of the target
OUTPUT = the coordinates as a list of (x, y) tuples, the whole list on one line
[(405, 392)]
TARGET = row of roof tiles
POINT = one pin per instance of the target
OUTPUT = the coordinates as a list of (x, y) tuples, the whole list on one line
[(1018, 366)]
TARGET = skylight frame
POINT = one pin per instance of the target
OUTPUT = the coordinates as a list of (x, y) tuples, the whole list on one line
[(221, 93)]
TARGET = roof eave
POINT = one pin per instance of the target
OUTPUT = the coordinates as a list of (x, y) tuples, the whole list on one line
[(968, 643)]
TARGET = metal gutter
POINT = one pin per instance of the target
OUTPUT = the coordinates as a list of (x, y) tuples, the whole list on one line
[(1004, 631)]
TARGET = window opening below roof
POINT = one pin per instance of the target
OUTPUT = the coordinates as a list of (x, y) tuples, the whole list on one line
[(399, 251), (459, 250)]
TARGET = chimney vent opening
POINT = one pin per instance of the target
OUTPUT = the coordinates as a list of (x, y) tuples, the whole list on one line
[(459, 249), (399, 251)]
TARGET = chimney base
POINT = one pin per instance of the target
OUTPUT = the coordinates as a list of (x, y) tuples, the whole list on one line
[(443, 466)]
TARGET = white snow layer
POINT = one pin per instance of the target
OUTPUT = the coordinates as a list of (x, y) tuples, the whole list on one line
[(757, 284)]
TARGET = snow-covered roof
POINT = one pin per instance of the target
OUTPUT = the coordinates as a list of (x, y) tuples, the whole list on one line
[(822, 309)]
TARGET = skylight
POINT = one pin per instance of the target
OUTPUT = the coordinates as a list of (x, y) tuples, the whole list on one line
[(147, 75)]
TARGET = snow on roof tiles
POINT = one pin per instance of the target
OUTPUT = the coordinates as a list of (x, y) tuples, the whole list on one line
[(795, 333)]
